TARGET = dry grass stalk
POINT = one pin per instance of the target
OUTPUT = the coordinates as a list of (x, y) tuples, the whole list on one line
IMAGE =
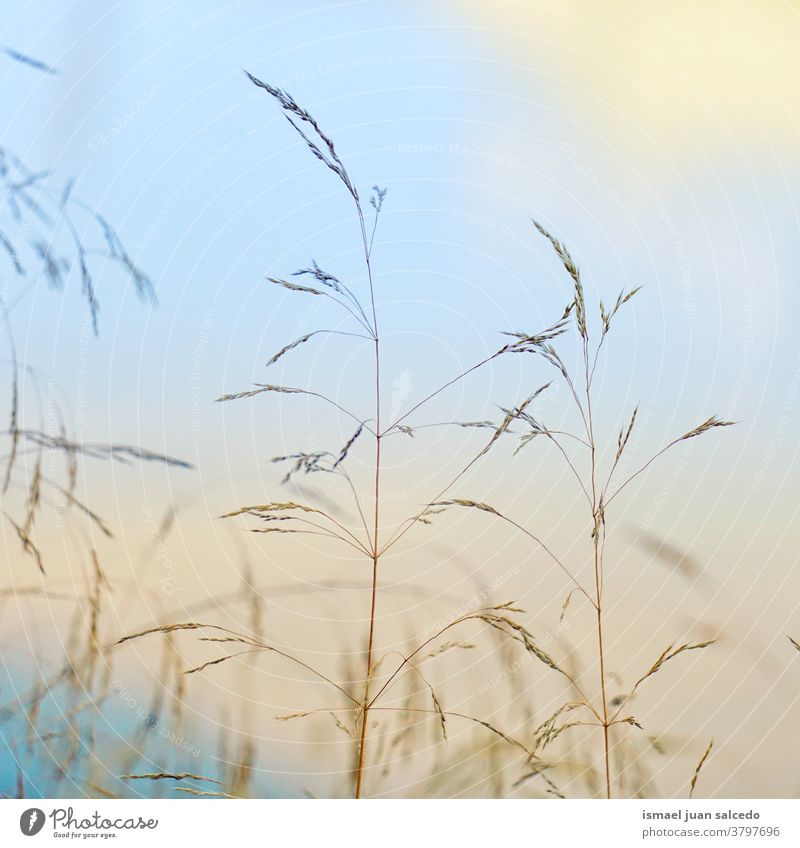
[(699, 768), (369, 540), (598, 494), (169, 776), (362, 693)]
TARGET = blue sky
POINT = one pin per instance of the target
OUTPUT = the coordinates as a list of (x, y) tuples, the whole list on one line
[(472, 134)]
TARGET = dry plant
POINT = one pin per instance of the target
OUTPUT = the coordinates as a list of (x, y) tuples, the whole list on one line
[(81, 730), (362, 692), (367, 537), (370, 540), (599, 489), (49, 235)]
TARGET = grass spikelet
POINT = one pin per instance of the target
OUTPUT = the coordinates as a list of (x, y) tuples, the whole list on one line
[(260, 390), (34, 493), (622, 440), (24, 59), (306, 463), (164, 628), (203, 793), (257, 509), (449, 646), (121, 453), (82, 507), (484, 507), (536, 342), (572, 269), (549, 730), (295, 115), (28, 544), (699, 768), (349, 444), (606, 316), (162, 775), (321, 276), (292, 716), (291, 346), (565, 606), (12, 253), (13, 424), (218, 660), (708, 424), (99, 582), (504, 736), (671, 652), (287, 284), (538, 769), (440, 712)]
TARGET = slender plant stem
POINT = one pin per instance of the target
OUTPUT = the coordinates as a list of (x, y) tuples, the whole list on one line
[(599, 527), (375, 554), (601, 653)]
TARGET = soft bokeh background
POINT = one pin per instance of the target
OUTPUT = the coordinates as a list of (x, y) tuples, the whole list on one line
[(660, 143)]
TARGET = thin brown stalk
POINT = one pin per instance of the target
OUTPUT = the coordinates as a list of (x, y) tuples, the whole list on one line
[(376, 553), (599, 528)]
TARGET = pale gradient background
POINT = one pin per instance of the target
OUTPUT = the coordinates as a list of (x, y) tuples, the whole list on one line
[(660, 144)]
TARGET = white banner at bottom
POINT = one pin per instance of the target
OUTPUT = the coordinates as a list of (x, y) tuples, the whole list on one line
[(182, 823)]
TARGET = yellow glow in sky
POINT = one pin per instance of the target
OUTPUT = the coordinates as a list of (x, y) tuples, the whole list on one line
[(683, 73)]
